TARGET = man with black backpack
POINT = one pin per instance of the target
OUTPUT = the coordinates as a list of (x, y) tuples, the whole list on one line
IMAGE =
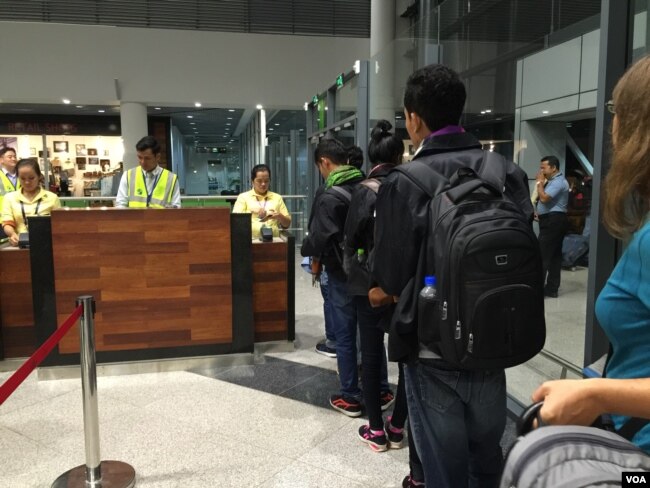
[(464, 216), (325, 243)]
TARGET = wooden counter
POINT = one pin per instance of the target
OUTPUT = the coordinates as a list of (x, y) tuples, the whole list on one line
[(17, 334), (167, 284)]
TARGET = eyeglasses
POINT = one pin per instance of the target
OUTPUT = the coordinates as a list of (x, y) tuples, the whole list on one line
[(611, 107)]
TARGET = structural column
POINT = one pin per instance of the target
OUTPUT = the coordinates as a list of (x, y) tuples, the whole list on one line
[(133, 118), (381, 73)]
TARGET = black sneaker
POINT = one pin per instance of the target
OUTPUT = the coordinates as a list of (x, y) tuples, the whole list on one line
[(394, 435), (411, 483), (387, 399), (376, 440), (321, 348), (347, 406)]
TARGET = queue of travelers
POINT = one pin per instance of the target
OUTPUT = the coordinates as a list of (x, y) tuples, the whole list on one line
[(367, 238)]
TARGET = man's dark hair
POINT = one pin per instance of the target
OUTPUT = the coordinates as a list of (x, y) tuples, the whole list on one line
[(260, 168), (384, 146), (355, 156), (331, 148), (148, 142), (552, 161), (5, 150), (436, 94)]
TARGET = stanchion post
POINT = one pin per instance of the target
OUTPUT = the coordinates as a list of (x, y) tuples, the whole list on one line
[(89, 390), (110, 474)]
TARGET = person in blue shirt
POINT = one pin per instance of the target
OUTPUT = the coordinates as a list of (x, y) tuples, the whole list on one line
[(553, 193), (623, 306)]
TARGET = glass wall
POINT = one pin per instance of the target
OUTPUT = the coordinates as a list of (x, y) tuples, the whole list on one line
[(530, 70)]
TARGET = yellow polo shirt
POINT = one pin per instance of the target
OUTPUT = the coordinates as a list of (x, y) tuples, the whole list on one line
[(12, 210), (251, 202)]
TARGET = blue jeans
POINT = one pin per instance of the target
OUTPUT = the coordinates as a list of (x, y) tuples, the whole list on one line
[(344, 321), (330, 338), (457, 419)]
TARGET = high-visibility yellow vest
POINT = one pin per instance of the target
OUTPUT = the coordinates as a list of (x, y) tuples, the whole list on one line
[(6, 186), (160, 197)]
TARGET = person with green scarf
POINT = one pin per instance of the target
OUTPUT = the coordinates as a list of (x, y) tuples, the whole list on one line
[(324, 243)]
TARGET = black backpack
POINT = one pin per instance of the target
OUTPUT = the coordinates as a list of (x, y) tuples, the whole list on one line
[(489, 312)]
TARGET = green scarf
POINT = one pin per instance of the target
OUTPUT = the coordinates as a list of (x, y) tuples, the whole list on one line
[(342, 174)]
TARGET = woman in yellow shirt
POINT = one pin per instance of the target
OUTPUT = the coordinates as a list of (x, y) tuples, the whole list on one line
[(267, 209), (29, 201)]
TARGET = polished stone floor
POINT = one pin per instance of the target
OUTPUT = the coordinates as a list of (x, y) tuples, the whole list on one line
[(265, 424)]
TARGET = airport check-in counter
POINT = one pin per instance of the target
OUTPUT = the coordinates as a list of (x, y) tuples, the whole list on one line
[(172, 283)]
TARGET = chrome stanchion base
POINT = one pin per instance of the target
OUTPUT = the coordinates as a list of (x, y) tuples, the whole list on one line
[(115, 474)]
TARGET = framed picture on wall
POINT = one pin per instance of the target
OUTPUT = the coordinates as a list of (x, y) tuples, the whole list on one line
[(93, 160), (92, 152), (60, 146), (106, 164), (81, 149), (81, 160), (32, 151)]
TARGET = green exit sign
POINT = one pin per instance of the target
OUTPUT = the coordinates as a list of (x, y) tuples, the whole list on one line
[(314, 99), (339, 81)]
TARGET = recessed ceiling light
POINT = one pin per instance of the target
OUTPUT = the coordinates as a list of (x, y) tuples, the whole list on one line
[(190, 116), (231, 110), (157, 108), (192, 123), (79, 106), (544, 111), (101, 110), (259, 106), (66, 101), (197, 104), (271, 128), (229, 118), (277, 125), (488, 110), (228, 123)]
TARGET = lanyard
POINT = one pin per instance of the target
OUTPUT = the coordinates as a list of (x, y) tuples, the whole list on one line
[(22, 209), (263, 206), (153, 187)]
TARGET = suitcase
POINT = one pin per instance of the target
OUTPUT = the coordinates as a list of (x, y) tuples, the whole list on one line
[(574, 247)]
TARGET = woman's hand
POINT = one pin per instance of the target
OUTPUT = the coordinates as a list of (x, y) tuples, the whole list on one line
[(13, 239), (569, 402)]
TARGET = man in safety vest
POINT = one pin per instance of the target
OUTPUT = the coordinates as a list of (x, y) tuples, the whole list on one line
[(8, 177), (148, 186)]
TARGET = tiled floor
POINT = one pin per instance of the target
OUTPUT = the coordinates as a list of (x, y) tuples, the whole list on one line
[(261, 425)]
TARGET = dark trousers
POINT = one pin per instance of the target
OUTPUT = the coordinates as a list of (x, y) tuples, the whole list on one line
[(552, 229), (373, 358)]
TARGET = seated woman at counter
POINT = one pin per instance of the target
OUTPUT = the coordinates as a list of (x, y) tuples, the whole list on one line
[(267, 209), (29, 201)]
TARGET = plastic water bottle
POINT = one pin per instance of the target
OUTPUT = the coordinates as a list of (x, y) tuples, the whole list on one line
[(429, 292)]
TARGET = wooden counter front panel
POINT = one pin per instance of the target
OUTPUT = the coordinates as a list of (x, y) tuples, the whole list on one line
[(160, 278), (16, 309), (270, 306)]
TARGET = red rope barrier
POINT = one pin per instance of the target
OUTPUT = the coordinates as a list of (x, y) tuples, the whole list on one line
[(14, 381)]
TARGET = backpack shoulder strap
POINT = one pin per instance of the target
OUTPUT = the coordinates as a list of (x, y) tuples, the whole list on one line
[(342, 192), (493, 171), (372, 184), (424, 177)]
